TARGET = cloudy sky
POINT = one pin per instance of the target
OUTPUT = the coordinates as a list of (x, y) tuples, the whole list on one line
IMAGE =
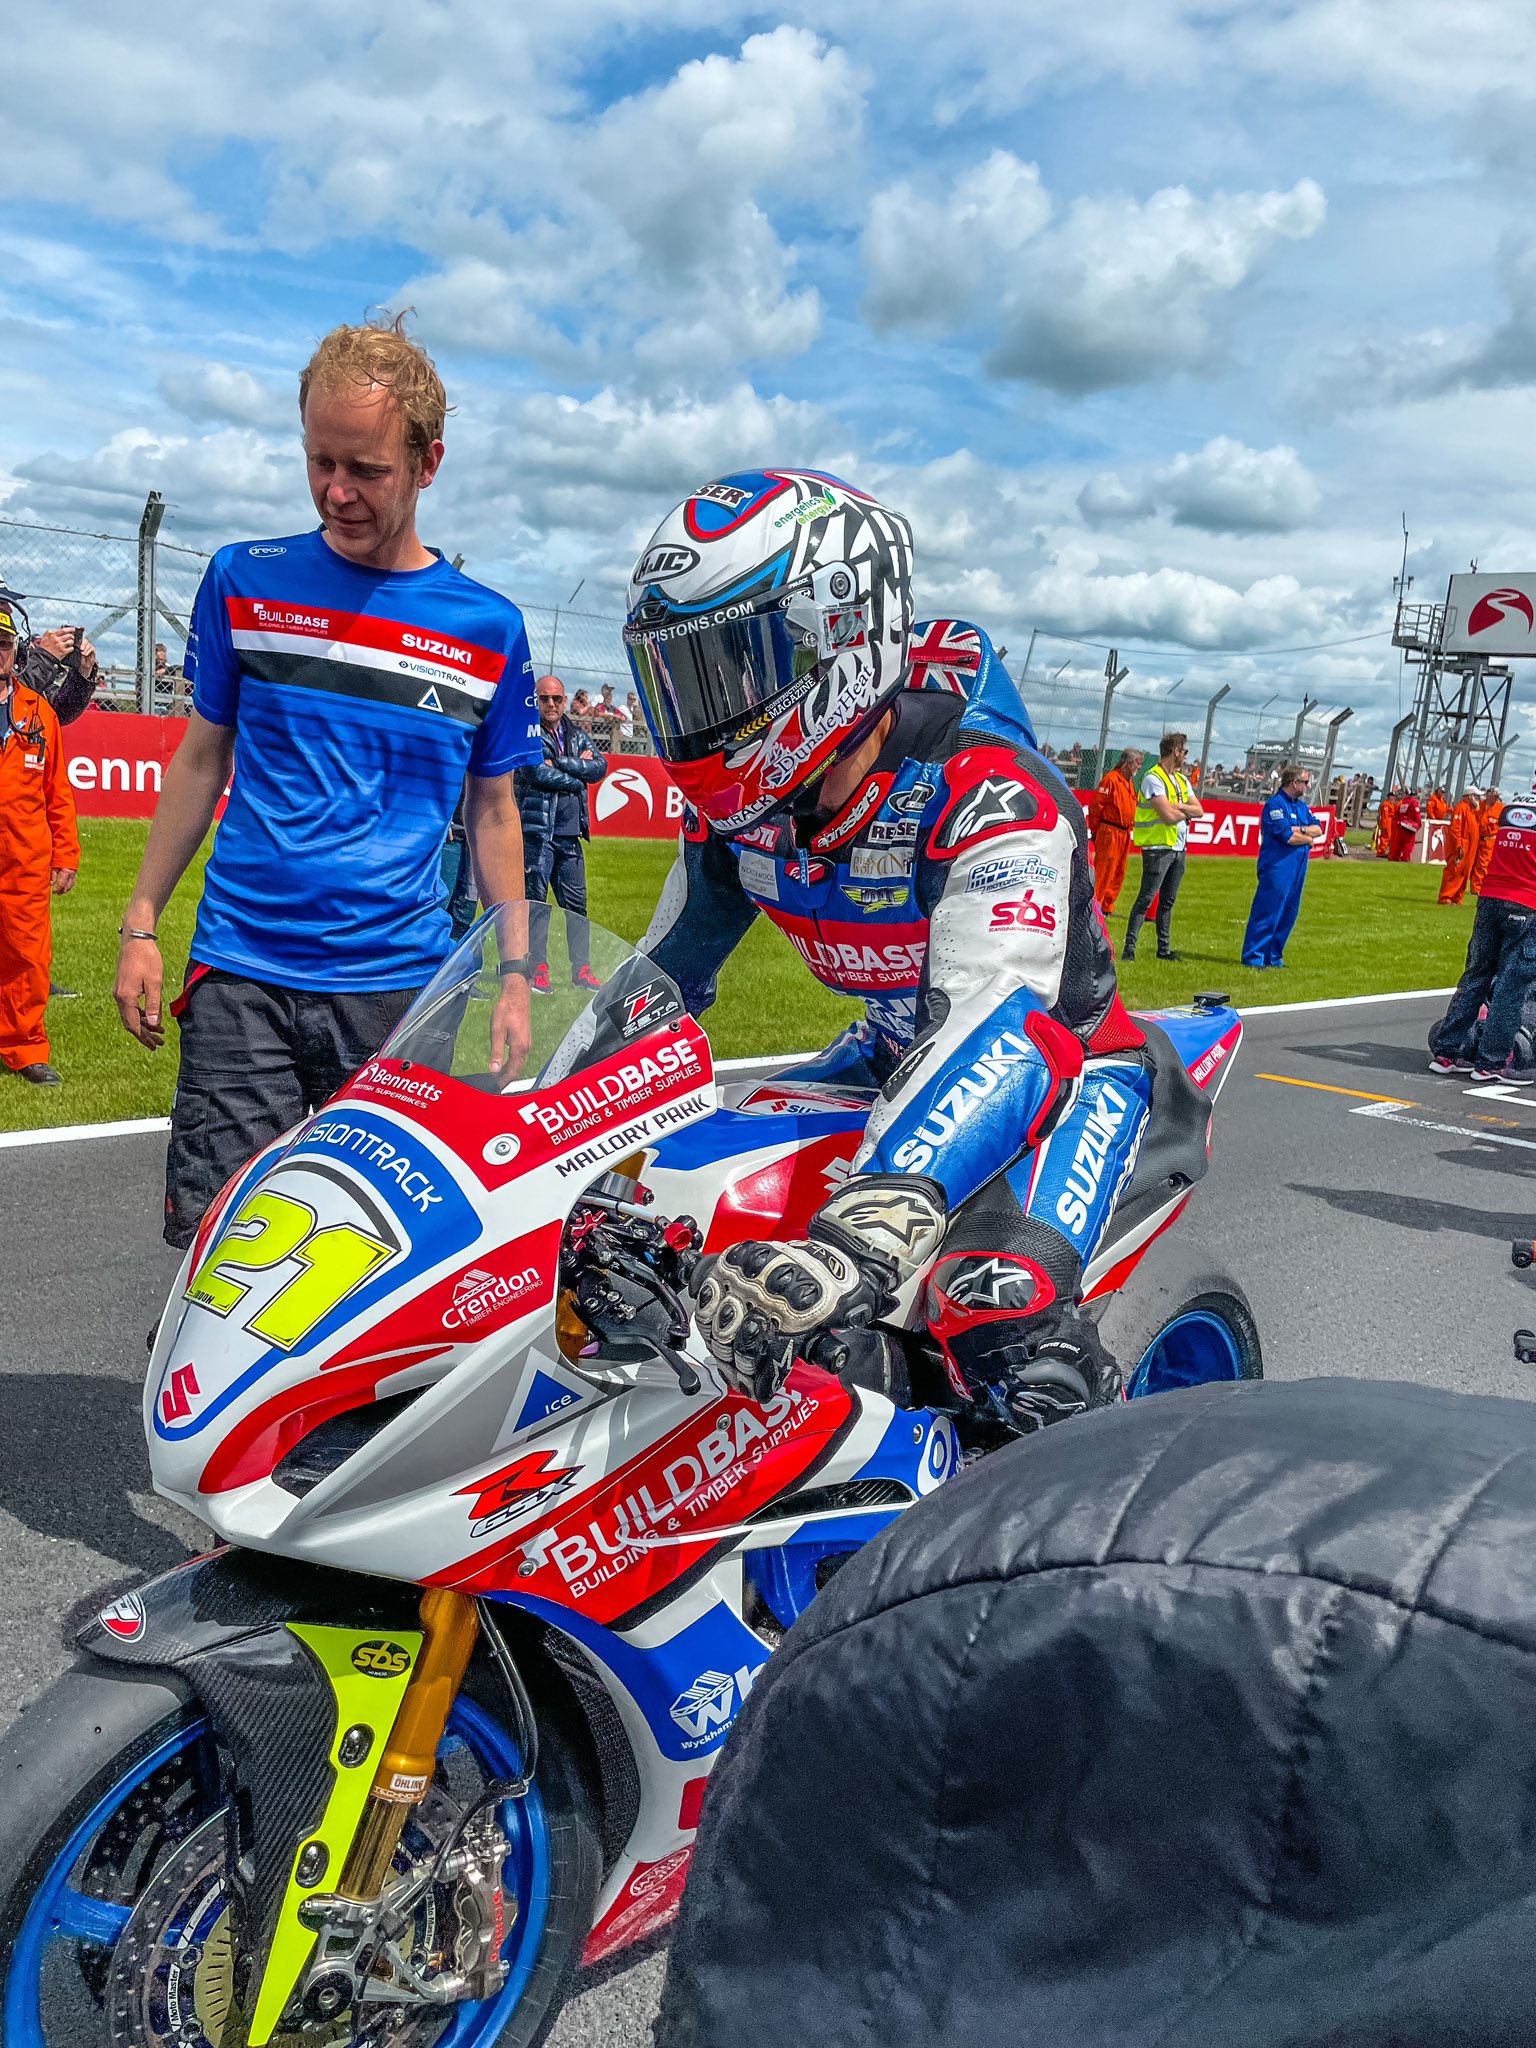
[(1156, 316)]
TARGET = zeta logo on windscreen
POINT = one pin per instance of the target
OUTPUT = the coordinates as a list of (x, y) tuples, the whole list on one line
[(704, 1711)]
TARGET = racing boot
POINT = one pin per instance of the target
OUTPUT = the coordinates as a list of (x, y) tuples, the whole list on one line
[(1040, 1372)]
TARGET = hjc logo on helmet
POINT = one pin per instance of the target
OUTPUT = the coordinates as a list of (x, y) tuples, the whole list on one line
[(670, 559)]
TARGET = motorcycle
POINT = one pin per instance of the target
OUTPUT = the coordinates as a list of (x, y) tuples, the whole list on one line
[(499, 1556)]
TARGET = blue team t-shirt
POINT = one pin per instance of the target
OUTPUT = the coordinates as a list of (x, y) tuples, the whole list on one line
[(359, 702)]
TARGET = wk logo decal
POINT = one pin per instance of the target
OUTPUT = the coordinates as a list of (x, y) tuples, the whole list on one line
[(176, 1401), (1494, 608), (705, 1709)]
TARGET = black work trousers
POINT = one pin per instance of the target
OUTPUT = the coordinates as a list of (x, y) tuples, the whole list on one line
[(255, 1060)]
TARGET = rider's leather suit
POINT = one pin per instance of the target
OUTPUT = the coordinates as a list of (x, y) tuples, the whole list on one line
[(953, 894)]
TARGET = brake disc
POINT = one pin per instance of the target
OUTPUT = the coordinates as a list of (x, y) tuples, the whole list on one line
[(173, 1980)]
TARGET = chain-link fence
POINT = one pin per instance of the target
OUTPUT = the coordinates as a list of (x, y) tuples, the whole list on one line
[(133, 595)]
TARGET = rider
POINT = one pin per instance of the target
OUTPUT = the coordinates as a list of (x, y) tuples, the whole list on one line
[(875, 788)]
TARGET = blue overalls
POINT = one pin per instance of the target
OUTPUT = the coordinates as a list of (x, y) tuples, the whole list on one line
[(1282, 875)]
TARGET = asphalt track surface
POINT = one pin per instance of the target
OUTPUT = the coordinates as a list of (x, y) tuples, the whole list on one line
[(1366, 1205)]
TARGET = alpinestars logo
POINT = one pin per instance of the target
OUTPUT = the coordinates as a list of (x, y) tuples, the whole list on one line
[(704, 1711), (995, 802), (520, 1489), (991, 1282)]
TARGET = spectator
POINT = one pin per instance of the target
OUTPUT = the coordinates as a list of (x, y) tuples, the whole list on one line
[(322, 912), (1405, 828), (581, 709), (1111, 815), (1501, 958), (1161, 831), (39, 858), (1287, 834), (1461, 837), (634, 722), (552, 797), (1489, 813), (608, 708), (162, 666)]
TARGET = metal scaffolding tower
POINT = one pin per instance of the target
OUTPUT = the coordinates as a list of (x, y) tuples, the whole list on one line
[(1459, 733)]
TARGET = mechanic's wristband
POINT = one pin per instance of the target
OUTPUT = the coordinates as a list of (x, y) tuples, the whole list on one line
[(127, 931)]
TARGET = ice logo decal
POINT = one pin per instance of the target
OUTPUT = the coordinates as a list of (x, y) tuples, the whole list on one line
[(124, 1618), (704, 1711), (1494, 608), (616, 789)]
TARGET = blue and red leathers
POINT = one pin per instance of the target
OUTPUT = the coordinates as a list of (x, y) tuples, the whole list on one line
[(953, 894), (1282, 876)]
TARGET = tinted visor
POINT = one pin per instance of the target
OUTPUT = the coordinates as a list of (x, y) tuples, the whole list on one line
[(707, 678)]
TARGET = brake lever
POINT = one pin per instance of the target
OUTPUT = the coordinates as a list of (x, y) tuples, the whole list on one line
[(642, 1349)]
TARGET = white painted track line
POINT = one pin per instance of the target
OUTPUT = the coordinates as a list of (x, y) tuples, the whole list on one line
[(70, 1133), (67, 1133)]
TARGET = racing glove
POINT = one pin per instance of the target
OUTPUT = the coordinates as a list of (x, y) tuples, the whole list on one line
[(760, 1306)]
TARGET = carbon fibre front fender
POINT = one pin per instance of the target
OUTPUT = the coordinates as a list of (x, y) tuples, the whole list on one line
[(221, 1623)]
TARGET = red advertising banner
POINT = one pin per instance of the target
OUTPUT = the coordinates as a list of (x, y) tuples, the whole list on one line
[(117, 763)]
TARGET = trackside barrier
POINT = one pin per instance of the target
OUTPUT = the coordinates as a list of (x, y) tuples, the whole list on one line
[(117, 763)]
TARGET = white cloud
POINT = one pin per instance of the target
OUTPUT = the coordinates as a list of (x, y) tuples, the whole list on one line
[(1225, 487), (217, 485), (931, 261), (216, 391), (1073, 596), (1437, 360), (1120, 291)]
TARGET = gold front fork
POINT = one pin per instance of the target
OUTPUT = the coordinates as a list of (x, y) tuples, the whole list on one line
[(450, 1624)]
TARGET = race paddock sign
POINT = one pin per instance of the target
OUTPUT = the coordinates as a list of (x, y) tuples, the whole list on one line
[(117, 762)]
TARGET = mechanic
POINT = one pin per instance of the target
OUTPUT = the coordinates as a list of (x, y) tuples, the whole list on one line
[(874, 788), (1287, 834), (350, 678), (1501, 958), (39, 859)]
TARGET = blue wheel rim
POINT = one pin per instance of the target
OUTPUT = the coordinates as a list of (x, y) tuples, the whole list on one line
[(1191, 1351), (58, 1911)]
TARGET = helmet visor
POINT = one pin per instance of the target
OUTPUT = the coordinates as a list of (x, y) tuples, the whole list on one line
[(707, 679)]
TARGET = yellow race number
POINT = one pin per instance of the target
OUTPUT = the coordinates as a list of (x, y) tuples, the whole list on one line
[(269, 1230)]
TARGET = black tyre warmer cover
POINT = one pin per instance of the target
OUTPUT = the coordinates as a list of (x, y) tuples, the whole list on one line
[(1207, 1720)]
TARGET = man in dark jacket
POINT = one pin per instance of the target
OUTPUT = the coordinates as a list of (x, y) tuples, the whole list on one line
[(552, 796)]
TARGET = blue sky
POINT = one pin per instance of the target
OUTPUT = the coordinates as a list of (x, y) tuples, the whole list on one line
[(1154, 316)]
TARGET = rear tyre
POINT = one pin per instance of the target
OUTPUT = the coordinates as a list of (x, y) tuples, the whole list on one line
[(1181, 1321), (112, 1770)]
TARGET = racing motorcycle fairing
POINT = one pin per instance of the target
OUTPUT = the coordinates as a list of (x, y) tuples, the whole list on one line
[(436, 1423)]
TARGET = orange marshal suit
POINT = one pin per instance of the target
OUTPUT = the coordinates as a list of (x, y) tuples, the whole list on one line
[(1386, 824), (37, 835), (1110, 817), (1461, 836)]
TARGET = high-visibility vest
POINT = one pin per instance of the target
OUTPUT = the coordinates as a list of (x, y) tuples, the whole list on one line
[(1151, 830)]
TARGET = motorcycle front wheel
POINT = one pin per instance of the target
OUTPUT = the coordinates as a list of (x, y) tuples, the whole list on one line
[(115, 1900)]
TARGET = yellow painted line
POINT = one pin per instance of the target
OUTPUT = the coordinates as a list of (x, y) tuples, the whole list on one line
[(1328, 1088)]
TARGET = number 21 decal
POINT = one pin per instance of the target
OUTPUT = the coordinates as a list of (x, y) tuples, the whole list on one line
[(270, 1229)]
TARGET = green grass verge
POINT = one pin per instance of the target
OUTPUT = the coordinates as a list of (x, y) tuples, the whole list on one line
[(1366, 928)]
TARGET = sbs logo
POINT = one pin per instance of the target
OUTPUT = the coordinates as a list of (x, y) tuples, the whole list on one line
[(381, 1659)]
